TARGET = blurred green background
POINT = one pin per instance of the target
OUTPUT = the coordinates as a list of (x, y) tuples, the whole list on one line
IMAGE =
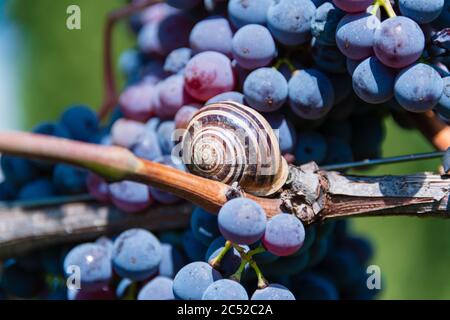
[(57, 67)]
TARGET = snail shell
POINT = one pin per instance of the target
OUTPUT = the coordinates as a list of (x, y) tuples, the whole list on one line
[(230, 142)]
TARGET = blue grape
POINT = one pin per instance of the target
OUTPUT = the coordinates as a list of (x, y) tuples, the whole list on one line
[(130, 61), (124, 288), (351, 65), (18, 171), (69, 180), (353, 6), (246, 12), (97, 188), (163, 196), (284, 130), (373, 82), (212, 34), (361, 247), (159, 288), (253, 46), (443, 107), (194, 249), (225, 290), (37, 189), (418, 88), (398, 42), (355, 34), (421, 11), (130, 196), (242, 221), (176, 60), (342, 266), (52, 129), (324, 23), (192, 280), (172, 96), (328, 58), (313, 286), (284, 235), (265, 89), (311, 94), (136, 254), (126, 133), (443, 21), (8, 191), (446, 161), (183, 4), (230, 262), (338, 151), (81, 122), (290, 21), (165, 131), (273, 292), (227, 96), (311, 146), (147, 146), (94, 263), (204, 226), (172, 260), (106, 243)]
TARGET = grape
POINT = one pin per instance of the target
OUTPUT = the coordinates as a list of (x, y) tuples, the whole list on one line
[(130, 196), (418, 88), (443, 21), (176, 60), (157, 12), (421, 11), (183, 4), (443, 107), (233, 96), (153, 124), (52, 129), (184, 116), (225, 290), (353, 5), (69, 180), (136, 254), (8, 191), (193, 279), (253, 47), (265, 89), (328, 58), (207, 74), (194, 249), (153, 72), (355, 35), (338, 151), (165, 132), (373, 82), (264, 257), (171, 262), (147, 146), (313, 286), (284, 235), (325, 22), (19, 282), (341, 265), (106, 243), (81, 122), (94, 263), (159, 288), (284, 130), (242, 221), (311, 146), (37, 189), (351, 65), (290, 21), (246, 12), (212, 34), (97, 187), (163, 196), (172, 96), (126, 133), (342, 86), (311, 94), (204, 226), (362, 248), (230, 262), (446, 161), (18, 171), (137, 102), (273, 292), (398, 42), (130, 61)]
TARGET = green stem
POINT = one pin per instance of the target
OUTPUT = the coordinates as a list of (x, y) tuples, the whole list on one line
[(375, 8), (386, 4), (215, 262), (284, 61), (247, 258), (262, 282), (238, 274)]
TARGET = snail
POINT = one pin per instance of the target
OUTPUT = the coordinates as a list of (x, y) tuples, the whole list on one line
[(230, 142)]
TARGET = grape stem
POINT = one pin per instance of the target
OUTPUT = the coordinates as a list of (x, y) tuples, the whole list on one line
[(215, 262), (247, 258), (237, 276), (386, 4), (284, 61)]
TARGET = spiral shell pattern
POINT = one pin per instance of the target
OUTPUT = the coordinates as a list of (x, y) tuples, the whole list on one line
[(230, 142)]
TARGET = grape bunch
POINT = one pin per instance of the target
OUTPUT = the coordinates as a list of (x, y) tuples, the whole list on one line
[(324, 74)]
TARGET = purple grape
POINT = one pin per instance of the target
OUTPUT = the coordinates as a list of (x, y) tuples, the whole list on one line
[(443, 107), (176, 60), (253, 46), (165, 136), (273, 292), (130, 196), (421, 11), (212, 34), (163, 196), (355, 33), (328, 58), (184, 116), (97, 187), (192, 280), (194, 249), (159, 288), (147, 146), (204, 226), (171, 262), (126, 133), (398, 42), (208, 74), (418, 88), (284, 130), (106, 243), (230, 262), (284, 235), (233, 96), (351, 65), (324, 23), (172, 96), (136, 254), (157, 12), (137, 102), (242, 221), (225, 290), (37, 189), (69, 180), (246, 12), (353, 6)]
